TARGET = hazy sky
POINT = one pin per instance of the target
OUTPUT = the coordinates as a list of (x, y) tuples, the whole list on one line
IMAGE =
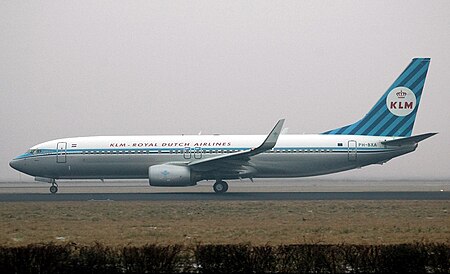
[(80, 68)]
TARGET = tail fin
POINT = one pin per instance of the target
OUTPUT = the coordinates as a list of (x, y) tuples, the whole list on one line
[(394, 114)]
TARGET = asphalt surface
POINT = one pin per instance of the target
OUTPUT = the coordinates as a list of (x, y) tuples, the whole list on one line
[(231, 196)]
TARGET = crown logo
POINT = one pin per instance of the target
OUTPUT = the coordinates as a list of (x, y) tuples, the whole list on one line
[(401, 94)]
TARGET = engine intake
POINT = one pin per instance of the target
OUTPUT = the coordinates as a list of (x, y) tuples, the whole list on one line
[(170, 175)]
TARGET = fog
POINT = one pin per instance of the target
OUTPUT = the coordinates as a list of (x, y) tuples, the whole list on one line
[(81, 68)]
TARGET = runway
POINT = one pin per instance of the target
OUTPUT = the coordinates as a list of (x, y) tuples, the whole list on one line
[(232, 196), (276, 190)]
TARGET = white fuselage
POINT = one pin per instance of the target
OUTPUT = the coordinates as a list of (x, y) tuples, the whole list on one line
[(186, 159), (129, 157)]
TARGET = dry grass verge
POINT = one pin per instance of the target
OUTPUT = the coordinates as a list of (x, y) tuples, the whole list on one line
[(225, 222)]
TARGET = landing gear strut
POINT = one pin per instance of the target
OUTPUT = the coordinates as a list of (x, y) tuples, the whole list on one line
[(220, 187), (54, 188)]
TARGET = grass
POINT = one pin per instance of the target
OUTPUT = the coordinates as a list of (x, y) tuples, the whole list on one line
[(227, 222)]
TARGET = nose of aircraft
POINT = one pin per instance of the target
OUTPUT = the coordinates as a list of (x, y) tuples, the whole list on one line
[(16, 164)]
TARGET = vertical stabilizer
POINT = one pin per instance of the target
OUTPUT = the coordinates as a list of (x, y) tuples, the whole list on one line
[(395, 112)]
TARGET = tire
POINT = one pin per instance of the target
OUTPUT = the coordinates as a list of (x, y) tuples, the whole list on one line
[(220, 187), (53, 189)]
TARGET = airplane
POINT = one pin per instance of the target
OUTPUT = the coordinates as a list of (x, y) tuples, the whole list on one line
[(385, 132)]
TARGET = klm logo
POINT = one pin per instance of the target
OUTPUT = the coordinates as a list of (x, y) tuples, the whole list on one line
[(401, 105), (401, 101)]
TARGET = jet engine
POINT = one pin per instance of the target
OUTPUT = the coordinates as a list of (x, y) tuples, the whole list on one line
[(171, 175)]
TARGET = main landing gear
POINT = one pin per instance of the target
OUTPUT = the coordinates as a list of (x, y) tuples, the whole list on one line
[(54, 188), (220, 187)]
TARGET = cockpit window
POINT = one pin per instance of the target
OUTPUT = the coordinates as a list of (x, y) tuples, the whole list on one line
[(34, 151)]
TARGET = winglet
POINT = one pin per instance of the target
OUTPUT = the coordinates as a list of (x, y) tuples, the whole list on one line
[(268, 143), (271, 139)]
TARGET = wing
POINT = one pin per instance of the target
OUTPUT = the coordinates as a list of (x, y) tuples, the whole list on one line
[(237, 165)]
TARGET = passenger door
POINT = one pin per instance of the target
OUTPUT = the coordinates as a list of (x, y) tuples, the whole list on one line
[(352, 151), (61, 152)]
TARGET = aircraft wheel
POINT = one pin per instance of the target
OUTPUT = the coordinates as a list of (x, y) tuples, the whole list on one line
[(53, 189), (220, 187)]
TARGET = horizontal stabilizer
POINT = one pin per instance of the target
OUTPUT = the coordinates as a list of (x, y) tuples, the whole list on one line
[(408, 140)]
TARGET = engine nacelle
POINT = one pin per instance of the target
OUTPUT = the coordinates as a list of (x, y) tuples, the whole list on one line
[(170, 175)]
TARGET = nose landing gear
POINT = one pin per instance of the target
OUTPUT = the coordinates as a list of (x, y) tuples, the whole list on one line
[(54, 188)]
